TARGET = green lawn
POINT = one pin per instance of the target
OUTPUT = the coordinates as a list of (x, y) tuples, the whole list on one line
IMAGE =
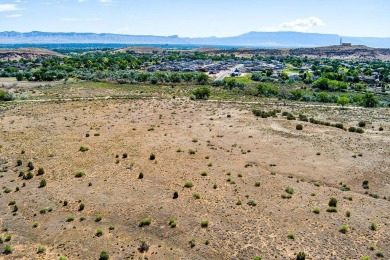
[(244, 79)]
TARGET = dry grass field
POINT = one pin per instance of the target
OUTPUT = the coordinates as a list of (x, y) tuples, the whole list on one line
[(239, 166)]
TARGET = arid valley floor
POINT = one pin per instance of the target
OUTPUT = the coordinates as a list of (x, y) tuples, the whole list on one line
[(228, 154)]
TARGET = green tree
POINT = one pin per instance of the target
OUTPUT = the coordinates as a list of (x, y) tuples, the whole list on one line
[(284, 75), (321, 83), (267, 90), (343, 100), (19, 77), (202, 79), (370, 100), (202, 92)]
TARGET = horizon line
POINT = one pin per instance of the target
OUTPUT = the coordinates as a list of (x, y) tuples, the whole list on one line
[(178, 36)]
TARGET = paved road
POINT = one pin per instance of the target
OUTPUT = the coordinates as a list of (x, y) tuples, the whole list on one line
[(224, 74)]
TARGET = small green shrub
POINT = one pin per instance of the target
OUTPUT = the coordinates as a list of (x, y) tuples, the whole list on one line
[(301, 256), (191, 151), (289, 190), (303, 118), (7, 249), (104, 256), (83, 149), (204, 223), (291, 235), (152, 157), (257, 184), (362, 124), (141, 175), (203, 173), (192, 243), (41, 250), (41, 171), (252, 203), (145, 222), (290, 117), (331, 209), (143, 247), (373, 226), (70, 219), (299, 127), (332, 202), (344, 229), (28, 176), (81, 207), (79, 174), (348, 214), (196, 195), (7, 238), (316, 210), (172, 222), (30, 166), (99, 232), (19, 163), (42, 183), (359, 130), (98, 218), (202, 92), (188, 184)]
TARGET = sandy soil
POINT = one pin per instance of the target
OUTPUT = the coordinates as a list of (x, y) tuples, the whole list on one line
[(315, 162)]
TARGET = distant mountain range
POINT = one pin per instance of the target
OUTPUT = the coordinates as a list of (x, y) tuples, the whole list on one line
[(251, 39)]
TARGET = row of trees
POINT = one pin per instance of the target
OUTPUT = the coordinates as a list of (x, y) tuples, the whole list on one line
[(126, 76), (281, 92)]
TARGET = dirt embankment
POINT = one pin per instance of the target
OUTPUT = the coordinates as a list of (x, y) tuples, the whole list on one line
[(27, 53)]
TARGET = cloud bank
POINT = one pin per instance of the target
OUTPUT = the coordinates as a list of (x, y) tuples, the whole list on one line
[(299, 25)]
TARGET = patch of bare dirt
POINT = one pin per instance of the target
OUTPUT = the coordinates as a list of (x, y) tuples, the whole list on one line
[(236, 151)]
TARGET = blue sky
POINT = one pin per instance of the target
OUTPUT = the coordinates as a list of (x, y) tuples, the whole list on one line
[(197, 18)]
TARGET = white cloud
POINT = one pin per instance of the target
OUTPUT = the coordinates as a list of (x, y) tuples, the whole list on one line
[(70, 19), (105, 1), (8, 7), (13, 15), (299, 25), (82, 1)]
